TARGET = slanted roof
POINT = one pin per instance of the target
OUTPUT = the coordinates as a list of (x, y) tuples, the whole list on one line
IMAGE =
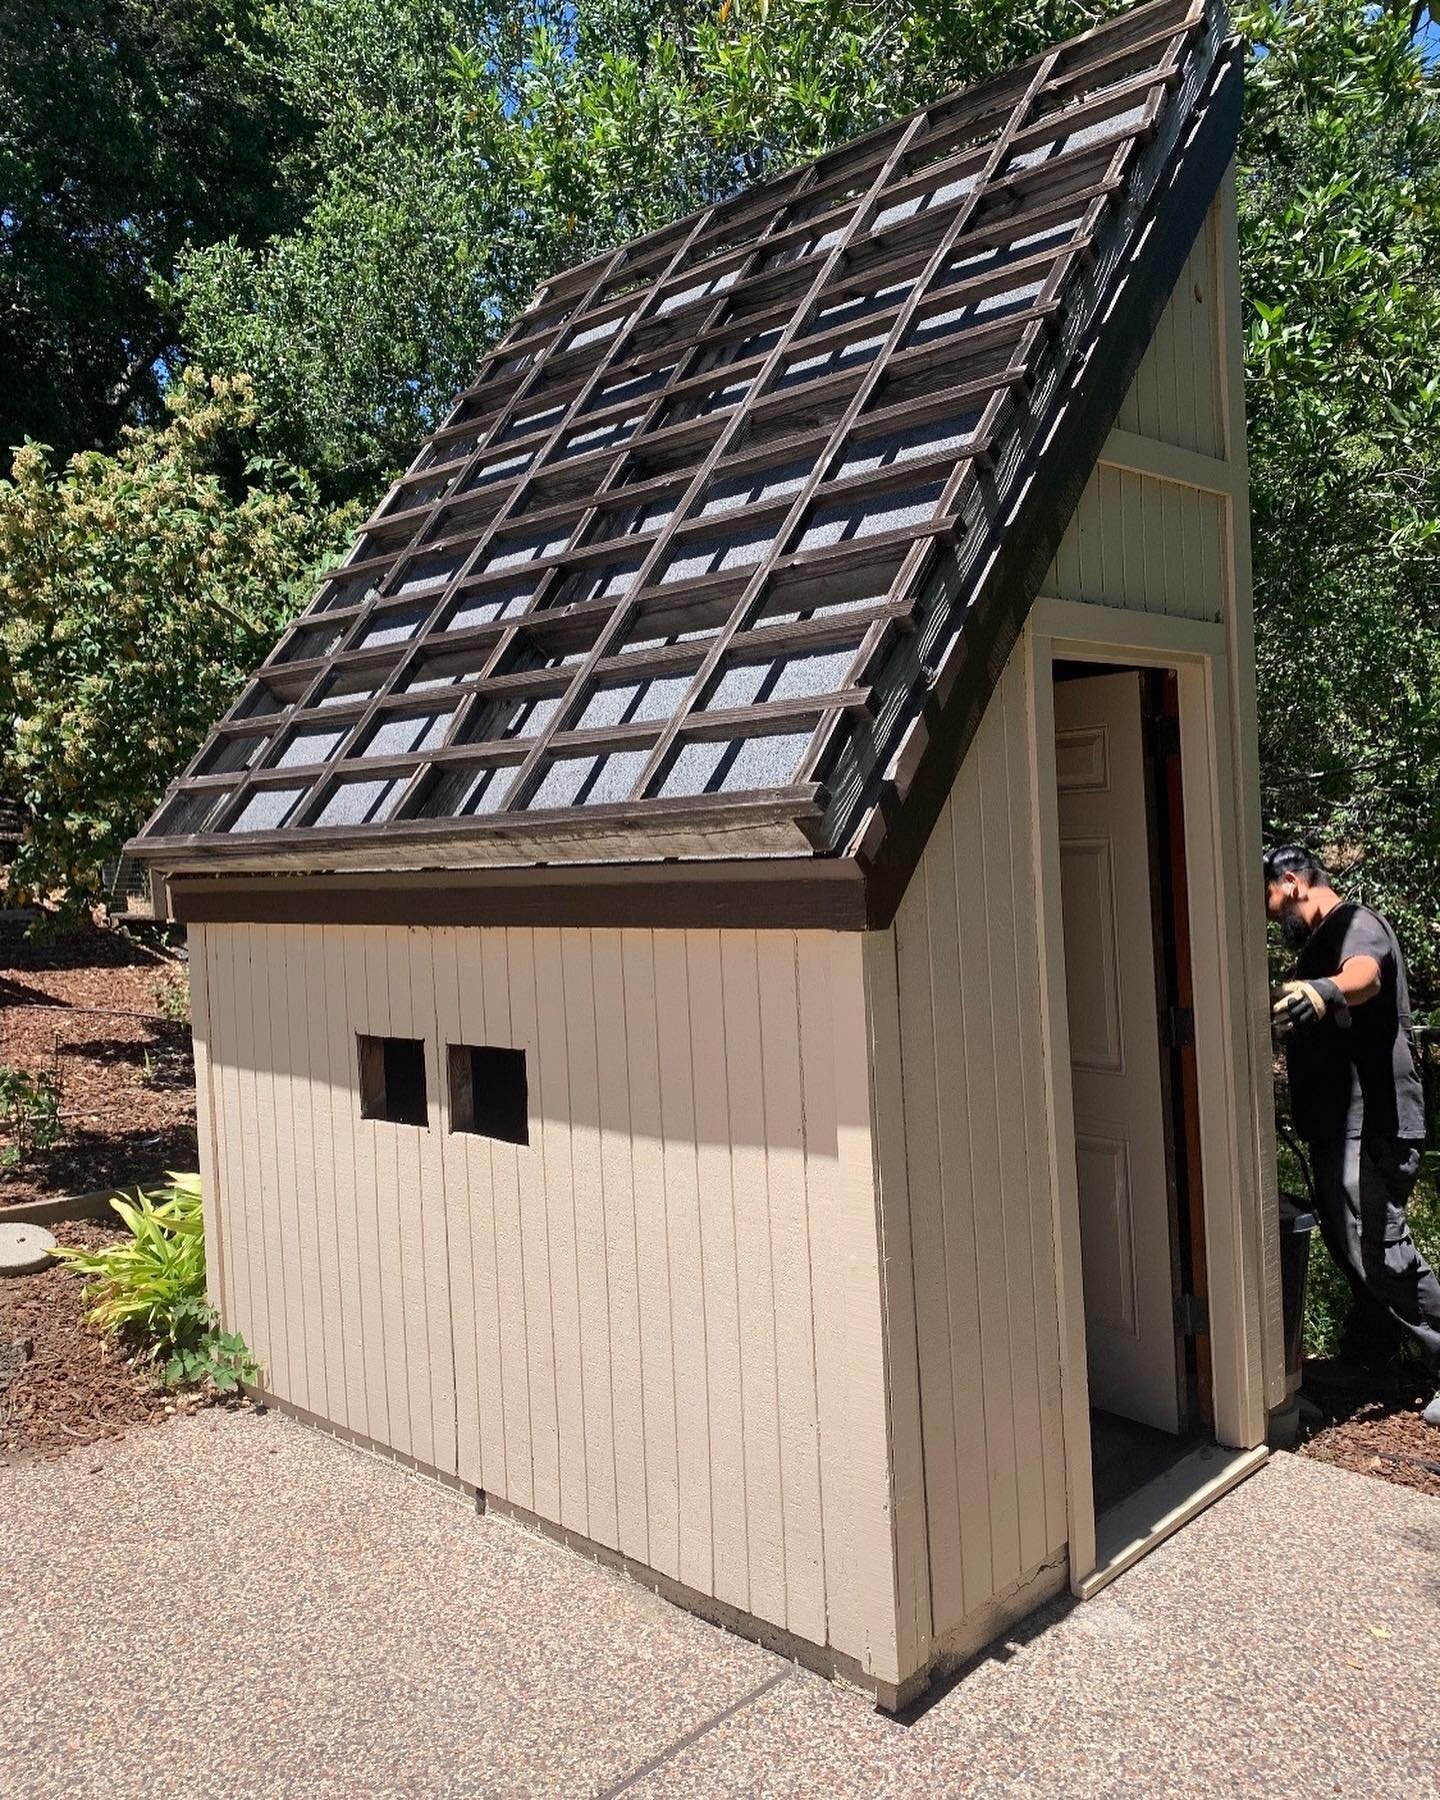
[(721, 554)]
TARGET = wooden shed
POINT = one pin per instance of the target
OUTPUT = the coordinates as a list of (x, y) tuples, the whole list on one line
[(727, 959)]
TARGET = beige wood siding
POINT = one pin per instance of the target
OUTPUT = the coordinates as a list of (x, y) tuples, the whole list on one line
[(964, 1163), (1176, 394), (658, 1325), (1144, 544), (1158, 541)]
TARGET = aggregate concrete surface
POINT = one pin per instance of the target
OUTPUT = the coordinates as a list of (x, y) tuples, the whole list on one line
[(238, 1605)]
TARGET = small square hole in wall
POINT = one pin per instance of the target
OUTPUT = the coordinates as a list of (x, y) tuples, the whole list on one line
[(392, 1079), (488, 1092)]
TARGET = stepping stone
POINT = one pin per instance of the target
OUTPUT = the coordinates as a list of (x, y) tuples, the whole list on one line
[(24, 1248)]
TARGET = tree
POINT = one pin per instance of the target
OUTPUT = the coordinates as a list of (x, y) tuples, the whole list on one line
[(137, 591), (462, 153), (450, 155), (128, 129), (1340, 238)]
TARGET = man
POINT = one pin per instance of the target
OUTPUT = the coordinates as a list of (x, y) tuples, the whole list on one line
[(1356, 1100)]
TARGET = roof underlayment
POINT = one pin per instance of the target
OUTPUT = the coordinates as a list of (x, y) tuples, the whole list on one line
[(722, 553)]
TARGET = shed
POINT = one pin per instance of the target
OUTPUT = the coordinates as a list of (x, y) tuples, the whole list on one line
[(728, 971)]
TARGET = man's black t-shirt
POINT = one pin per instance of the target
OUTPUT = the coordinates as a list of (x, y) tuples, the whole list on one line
[(1343, 1083)]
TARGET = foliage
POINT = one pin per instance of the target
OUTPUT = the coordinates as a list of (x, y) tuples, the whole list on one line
[(440, 157), (136, 592), (358, 324), (150, 1288), (128, 129), (461, 153), (29, 1113), (1340, 235), (172, 995)]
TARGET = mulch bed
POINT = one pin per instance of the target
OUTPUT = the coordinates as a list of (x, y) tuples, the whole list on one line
[(1385, 1437), (76, 1387), (88, 1010)]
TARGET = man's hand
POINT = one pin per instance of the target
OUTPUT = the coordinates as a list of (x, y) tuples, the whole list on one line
[(1307, 1003)]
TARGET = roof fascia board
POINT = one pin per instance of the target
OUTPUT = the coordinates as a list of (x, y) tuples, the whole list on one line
[(802, 893)]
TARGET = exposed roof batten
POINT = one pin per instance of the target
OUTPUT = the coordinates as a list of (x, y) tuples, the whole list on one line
[(720, 556)]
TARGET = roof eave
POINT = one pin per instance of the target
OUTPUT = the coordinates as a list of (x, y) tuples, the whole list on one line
[(797, 893)]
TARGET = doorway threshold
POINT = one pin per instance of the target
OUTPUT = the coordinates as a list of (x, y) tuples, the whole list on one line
[(1154, 1512)]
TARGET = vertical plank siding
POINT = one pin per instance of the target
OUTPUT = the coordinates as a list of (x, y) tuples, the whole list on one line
[(1145, 545), (962, 1108), (970, 1171), (658, 1324), (1136, 541), (1177, 394)]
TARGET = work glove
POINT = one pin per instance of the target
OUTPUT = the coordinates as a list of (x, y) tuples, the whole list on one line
[(1307, 1003)]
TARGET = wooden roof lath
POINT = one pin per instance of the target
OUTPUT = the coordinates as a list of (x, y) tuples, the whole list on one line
[(720, 555)]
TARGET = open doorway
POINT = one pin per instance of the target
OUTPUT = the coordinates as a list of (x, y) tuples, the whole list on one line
[(1128, 983)]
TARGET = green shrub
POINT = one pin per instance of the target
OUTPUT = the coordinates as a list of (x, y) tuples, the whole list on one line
[(172, 996), (150, 1288), (29, 1113)]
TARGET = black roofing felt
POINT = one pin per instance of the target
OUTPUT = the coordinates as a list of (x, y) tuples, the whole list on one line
[(723, 551)]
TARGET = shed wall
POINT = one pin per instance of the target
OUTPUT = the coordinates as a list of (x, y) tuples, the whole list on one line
[(658, 1324), (966, 1159), (1163, 526), (1138, 541), (962, 1108), (1177, 394)]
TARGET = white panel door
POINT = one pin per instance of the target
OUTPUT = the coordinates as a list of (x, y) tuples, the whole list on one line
[(1115, 1049)]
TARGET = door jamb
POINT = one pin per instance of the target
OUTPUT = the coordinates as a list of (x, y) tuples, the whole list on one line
[(1197, 652)]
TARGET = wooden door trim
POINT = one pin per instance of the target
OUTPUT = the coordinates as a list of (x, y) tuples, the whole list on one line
[(1197, 652)]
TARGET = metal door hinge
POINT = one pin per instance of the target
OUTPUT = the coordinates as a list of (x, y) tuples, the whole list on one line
[(1192, 1314)]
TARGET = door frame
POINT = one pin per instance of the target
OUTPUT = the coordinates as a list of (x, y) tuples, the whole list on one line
[(1231, 1030)]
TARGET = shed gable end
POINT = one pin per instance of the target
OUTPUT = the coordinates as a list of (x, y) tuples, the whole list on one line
[(1149, 532)]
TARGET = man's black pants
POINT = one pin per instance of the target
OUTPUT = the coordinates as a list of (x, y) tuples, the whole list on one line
[(1361, 1189)]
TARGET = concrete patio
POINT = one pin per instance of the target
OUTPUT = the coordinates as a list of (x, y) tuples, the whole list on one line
[(234, 1604)]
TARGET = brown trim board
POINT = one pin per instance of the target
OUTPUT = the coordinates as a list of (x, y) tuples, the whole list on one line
[(798, 893)]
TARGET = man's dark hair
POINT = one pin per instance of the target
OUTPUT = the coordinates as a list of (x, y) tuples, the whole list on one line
[(1295, 859)]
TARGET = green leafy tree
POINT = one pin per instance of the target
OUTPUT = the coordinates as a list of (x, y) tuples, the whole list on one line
[(137, 590), (450, 155), (128, 129), (357, 325), (1340, 240), (459, 154)]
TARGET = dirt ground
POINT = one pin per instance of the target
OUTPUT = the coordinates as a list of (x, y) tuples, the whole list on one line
[(1384, 1437), (75, 1386), (89, 1010)]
